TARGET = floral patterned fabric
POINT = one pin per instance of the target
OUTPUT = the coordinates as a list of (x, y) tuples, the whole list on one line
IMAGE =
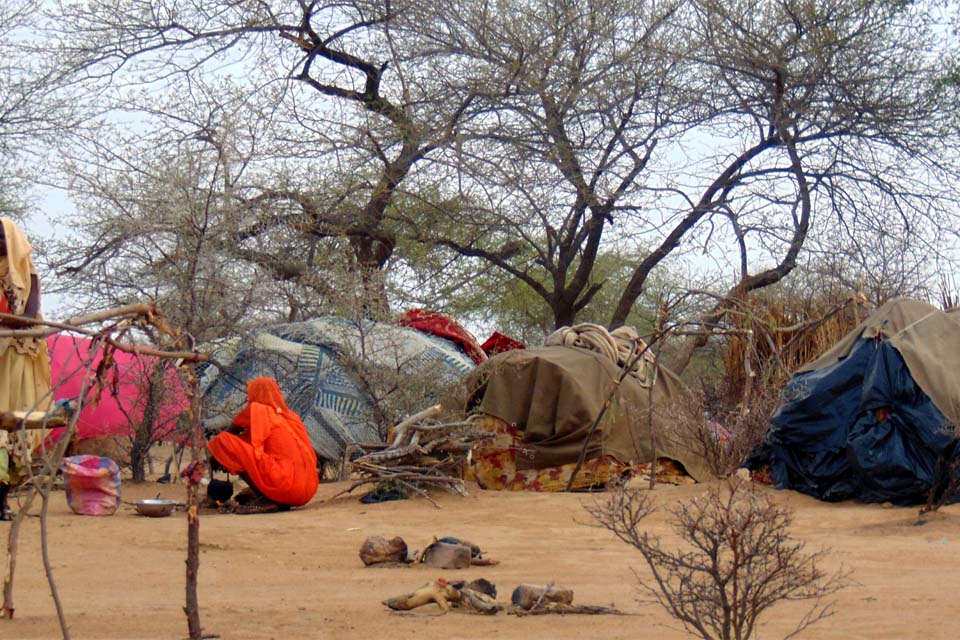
[(493, 465)]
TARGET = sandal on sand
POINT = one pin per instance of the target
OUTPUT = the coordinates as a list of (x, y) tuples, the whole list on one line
[(246, 495), (260, 505)]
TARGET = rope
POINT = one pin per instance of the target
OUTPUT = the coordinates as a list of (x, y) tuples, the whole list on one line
[(618, 346)]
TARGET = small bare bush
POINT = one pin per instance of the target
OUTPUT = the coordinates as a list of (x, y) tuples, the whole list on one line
[(724, 436), (739, 560), (720, 435), (945, 487)]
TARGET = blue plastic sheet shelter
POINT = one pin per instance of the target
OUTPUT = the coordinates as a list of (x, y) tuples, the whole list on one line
[(870, 418)]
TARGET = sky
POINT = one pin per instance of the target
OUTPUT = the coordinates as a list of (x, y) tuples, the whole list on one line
[(48, 209)]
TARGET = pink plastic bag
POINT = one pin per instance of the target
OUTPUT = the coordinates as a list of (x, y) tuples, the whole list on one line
[(92, 484)]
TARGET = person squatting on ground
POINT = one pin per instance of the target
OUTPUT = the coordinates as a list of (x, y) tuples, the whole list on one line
[(24, 362), (269, 448)]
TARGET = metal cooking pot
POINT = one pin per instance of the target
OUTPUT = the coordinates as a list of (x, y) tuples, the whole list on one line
[(155, 508)]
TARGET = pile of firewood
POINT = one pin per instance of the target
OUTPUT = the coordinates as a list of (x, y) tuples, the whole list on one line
[(421, 452)]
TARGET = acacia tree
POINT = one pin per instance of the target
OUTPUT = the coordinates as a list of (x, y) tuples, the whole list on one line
[(161, 225), (578, 101), (32, 112), (332, 84), (841, 109), (736, 129)]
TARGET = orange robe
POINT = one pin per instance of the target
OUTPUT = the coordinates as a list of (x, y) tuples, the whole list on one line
[(273, 450)]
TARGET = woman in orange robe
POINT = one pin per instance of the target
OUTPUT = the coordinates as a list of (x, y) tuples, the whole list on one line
[(272, 452)]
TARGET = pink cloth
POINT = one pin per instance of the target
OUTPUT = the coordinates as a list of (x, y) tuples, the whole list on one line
[(92, 485), (120, 406)]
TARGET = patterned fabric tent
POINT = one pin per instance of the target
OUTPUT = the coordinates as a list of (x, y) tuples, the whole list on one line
[(313, 362)]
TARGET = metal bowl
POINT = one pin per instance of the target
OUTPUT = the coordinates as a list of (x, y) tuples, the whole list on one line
[(155, 508)]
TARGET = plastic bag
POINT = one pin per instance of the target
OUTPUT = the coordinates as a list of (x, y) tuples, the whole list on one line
[(92, 484)]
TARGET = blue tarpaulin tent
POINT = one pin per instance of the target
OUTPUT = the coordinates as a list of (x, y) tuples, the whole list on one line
[(870, 418)]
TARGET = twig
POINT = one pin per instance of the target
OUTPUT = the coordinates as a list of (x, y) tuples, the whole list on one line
[(570, 609), (73, 325), (389, 454), (662, 313), (45, 554), (400, 430), (51, 465), (536, 605), (423, 493)]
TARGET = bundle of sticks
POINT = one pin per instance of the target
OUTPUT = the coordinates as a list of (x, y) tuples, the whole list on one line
[(421, 452)]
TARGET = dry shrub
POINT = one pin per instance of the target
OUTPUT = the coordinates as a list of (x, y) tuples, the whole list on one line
[(713, 427), (945, 488), (738, 560), (396, 389), (725, 435), (781, 334), (772, 337)]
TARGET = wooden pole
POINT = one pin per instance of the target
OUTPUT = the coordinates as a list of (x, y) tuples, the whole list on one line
[(45, 553), (194, 475), (123, 318)]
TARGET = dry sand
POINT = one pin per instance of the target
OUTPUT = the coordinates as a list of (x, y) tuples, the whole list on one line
[(297, 574)]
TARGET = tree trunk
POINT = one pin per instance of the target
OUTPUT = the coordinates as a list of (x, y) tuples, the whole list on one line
[(144, 436), (769, 276), (564, 314)]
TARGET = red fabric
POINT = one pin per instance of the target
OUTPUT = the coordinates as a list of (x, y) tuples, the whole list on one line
[(273, 450), (446, 327), (4, 305), (498, 343)]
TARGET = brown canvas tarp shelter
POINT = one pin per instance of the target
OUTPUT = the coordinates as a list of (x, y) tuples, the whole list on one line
[(554, 394)]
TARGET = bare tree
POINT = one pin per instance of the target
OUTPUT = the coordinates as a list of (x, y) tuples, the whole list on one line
[(161, 225), (738, 561), (841, 110), (674, 126), (342, 91), (580, 100)]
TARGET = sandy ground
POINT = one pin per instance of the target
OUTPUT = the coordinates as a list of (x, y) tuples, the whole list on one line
[(298, 575)]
